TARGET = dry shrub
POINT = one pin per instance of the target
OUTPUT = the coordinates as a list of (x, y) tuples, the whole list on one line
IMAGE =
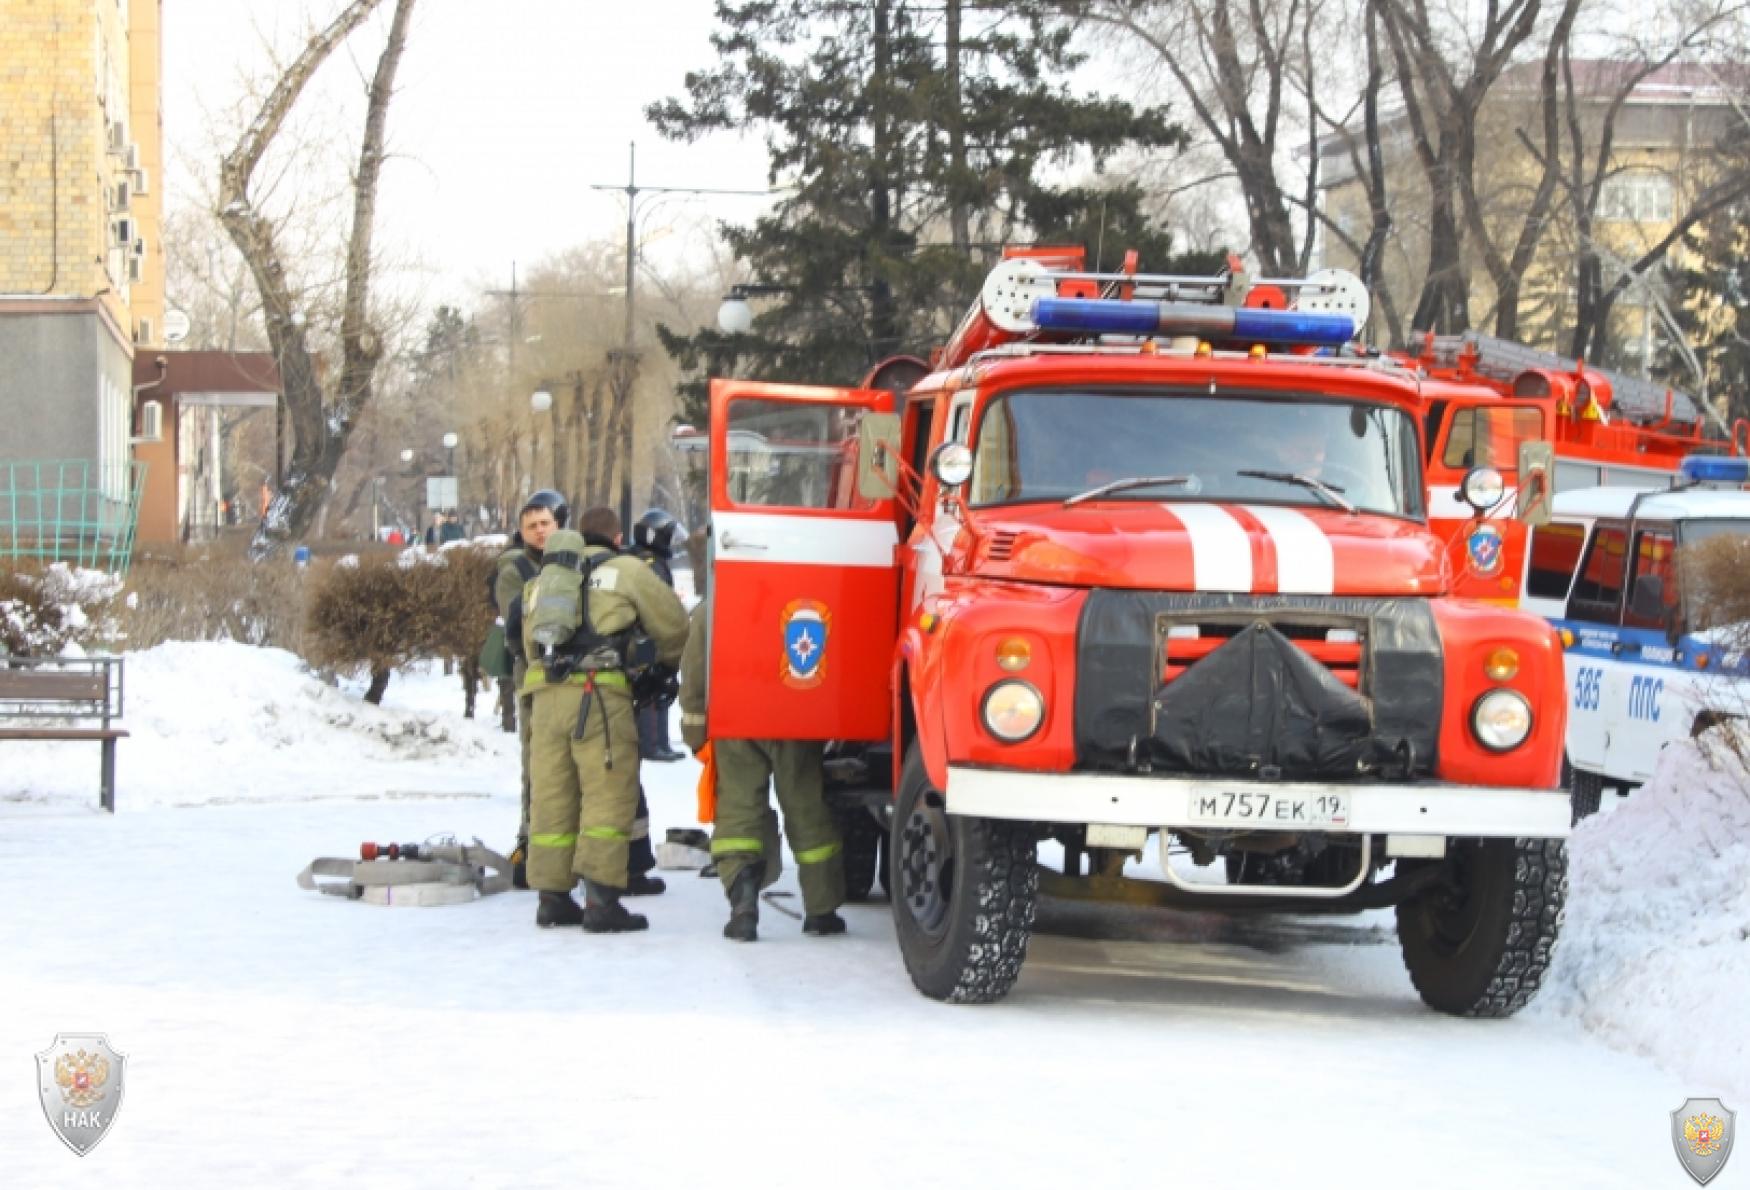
[(1715, 578), (373, 617), (1714, 575), (48, 610), (379, 615), (462, 580), (203, 597)]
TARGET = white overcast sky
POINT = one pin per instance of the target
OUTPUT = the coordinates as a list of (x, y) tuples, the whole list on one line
[(506, 112)]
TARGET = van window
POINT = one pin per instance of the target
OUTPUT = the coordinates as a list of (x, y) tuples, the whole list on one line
[(1598, 591), (1654, 582), (1555, 555), (1490, 437)]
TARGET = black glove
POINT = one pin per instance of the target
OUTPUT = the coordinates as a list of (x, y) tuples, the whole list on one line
[(657, 684)]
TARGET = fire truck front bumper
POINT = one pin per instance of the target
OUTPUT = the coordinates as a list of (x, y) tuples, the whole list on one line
[(1415, 808)]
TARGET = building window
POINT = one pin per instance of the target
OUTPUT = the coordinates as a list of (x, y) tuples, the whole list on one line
[(113, 447), (1637, 197)]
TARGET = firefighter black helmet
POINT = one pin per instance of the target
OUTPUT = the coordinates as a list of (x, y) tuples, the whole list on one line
[(552, 501), (656, 531)]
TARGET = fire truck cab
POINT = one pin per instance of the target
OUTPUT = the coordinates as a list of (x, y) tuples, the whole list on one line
[(1143, 569)]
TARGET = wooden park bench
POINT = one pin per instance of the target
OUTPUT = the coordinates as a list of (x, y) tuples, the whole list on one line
[(68, 689)]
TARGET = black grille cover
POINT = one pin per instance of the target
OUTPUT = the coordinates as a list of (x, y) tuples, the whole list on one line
[(1258, 706)]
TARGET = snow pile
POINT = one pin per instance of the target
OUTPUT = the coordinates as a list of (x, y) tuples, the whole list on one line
[(58, 612), (1655, 953), (218, 722)]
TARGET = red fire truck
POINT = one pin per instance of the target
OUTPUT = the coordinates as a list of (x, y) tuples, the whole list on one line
[(1142, 567), (1484, 399)]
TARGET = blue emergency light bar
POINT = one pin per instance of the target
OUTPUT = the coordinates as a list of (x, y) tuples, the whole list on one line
[(1715, 469), (1105, 316)]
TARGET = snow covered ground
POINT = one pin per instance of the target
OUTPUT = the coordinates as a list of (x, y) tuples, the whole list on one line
[(277, 1037)]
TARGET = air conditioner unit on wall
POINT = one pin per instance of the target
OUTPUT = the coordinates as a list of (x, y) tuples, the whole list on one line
[(124, 232), (140, 248), (131, 157), (137, 275), (118, 136), (121, 197), (143, 331), (141, 181), (151, 422)]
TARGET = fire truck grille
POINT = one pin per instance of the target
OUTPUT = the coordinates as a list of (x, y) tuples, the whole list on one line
[(1337, 649), (1267, 687)]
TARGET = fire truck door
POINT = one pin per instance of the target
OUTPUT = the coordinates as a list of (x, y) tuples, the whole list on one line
[(1480, 434), (804, 587)]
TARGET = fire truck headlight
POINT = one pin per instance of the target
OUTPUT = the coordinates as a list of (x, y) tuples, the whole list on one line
[(1013, 711), (952, 464), (1483, 488), (1501, 720)]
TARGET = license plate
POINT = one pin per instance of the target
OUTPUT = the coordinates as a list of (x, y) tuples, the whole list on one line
[(1270, 809)]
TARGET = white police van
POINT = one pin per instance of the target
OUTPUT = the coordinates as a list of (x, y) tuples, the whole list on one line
[(1639, 674)]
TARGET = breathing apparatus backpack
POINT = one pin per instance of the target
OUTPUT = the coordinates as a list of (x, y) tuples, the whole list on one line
[(556, 611)]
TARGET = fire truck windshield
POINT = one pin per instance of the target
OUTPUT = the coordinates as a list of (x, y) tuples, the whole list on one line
[(1056, 445)]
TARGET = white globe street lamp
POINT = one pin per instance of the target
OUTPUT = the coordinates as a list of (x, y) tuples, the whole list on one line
[(735, 316), (541, 400)]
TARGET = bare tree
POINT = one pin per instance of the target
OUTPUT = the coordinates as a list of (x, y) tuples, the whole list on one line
[(1242, 67), (1443, 92), (323, 409)]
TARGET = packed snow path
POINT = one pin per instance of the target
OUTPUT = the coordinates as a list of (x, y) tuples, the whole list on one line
[(276, 1037)]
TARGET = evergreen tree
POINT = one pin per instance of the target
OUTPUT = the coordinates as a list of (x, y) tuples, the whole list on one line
[(915, 138)]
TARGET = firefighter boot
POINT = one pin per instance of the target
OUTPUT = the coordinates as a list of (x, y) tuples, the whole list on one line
[(822, 924), (645, 885), (744, 904), (557, 909), (603, 913)]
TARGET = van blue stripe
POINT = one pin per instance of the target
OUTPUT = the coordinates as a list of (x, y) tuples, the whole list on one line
[(1650, 647)]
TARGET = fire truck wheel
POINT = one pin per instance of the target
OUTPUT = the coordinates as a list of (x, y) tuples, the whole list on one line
[(862, 840), (964, 894), (1478, 943), (1586, 790)]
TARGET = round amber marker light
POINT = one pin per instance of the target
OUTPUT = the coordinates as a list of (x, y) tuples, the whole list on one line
[(1502, 664), (1014, 655)]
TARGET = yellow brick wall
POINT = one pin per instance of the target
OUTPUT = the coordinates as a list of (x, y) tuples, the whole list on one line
[(64, 76), (146, 126)]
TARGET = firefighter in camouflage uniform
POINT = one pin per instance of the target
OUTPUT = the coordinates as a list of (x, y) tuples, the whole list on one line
[(583, 750)]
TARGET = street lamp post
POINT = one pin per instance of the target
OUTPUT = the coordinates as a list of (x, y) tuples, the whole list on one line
[(539, 402), (419, 496), (626, 366)]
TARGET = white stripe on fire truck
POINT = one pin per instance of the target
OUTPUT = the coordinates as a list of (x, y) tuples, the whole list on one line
[(1221, 552), (1305, 564)]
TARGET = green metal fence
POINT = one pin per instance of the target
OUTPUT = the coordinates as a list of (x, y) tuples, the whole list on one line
[(71, 511)]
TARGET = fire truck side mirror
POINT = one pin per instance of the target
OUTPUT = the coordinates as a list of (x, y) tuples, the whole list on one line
[(1537, 474), (952, 464), (878, 455)]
